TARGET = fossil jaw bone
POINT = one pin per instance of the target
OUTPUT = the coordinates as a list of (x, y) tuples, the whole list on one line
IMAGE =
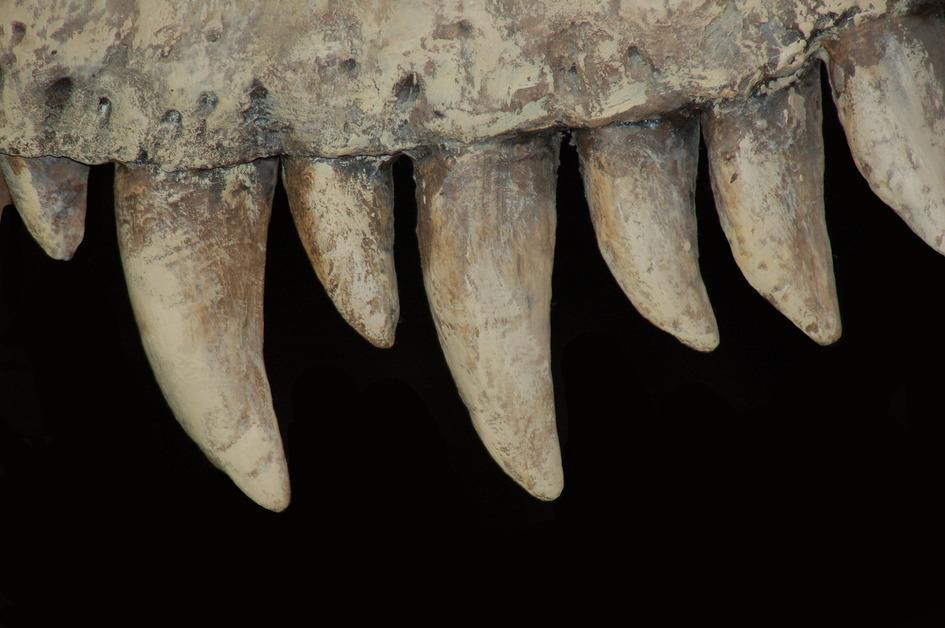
[(192, 199)]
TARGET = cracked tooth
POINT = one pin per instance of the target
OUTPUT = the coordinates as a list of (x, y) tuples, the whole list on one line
[(640, 181), (344, 212), (486, 229), (49, 193), (193, 246), (888, 82), (766, 159)]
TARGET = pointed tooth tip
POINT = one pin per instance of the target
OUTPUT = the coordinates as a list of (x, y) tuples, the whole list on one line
[(705, 343), (380, 333), (825, 333), (267, 486), (544, 481)]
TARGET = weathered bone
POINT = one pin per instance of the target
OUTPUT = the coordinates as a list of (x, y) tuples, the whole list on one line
[(640, 181), (49, 193), (766, 159), (888, 82), (197, 84), (344, 212), (193, 246), (487, 231)]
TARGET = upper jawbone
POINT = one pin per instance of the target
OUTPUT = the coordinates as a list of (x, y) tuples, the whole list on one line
[(193, 85)]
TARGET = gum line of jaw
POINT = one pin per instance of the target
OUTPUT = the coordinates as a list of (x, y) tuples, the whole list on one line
[(192, 242)]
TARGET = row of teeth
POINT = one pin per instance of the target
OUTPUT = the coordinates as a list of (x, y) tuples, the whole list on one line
[(193, 243)]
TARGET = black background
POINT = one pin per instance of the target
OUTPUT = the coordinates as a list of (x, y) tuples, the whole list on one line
[(770, 442)]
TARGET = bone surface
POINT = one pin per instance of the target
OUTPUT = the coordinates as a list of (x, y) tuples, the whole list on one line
[(344, 212), (49, 193), (196, 85), (766, 159), (487, 231), (4, 196), (889, 86), (193, 246), (640, 182)]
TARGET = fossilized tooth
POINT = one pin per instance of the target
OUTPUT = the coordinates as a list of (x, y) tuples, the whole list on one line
[(888, 81), (344, 212), (766, 160), (4, 196), (193, 246), (486, 229), (49, 193), (640, 181)]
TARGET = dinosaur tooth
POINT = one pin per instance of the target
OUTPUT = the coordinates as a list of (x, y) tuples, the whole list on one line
[(344, 212), (888, 81), (766, 161), (640, 181), (49, 193), (486, 229), (193, 247), (4, 196)]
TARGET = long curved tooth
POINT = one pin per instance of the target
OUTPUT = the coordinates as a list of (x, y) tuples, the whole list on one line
[(344, 212), (766, 159), (640, 181), (486, 228), (888, 81), (193, 246), (50, 195)]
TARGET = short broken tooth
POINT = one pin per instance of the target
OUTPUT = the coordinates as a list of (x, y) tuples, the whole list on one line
[(766, 160), (49, 193), (193, 246), (344, 212), (486, 229), (640, 181), (888, 81)]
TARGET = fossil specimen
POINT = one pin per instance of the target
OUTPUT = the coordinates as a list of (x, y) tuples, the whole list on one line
[(203, 105)]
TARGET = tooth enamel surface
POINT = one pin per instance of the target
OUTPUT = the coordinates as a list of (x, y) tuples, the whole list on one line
[(50, 195), (486, 229), (193, 246), (4, 195), (344, 212), (640, 184), (766, 160), (199, 85), (889, 85)]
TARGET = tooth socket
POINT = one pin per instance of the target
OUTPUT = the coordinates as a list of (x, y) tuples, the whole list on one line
[(486, 229)]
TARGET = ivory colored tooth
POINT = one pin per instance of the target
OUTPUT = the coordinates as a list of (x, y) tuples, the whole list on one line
[(193, 246), (766, 159), (486, 229), (50, 195), (344, 212), (888, 82), (640, 181)]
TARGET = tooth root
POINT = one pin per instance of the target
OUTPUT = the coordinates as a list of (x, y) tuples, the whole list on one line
[(50, 195), (888, 82), (640, 181), (766, 162), (193, 246), (486, 229), (344, 212)]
